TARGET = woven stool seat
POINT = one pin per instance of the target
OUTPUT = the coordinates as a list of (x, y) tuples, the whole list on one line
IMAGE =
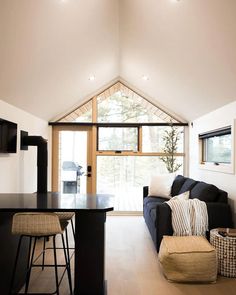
[(188, 259), (65, 215), (36, 224)]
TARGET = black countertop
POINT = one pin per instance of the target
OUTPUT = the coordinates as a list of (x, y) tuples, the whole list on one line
[(55, 202)]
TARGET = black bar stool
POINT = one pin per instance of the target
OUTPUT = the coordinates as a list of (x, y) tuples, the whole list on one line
[(34, 226)]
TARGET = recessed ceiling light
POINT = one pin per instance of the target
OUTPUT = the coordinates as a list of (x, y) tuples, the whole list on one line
[(145, 78), (92, 78)]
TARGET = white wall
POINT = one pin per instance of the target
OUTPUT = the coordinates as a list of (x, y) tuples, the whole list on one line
[(219, 118), (18, 172)]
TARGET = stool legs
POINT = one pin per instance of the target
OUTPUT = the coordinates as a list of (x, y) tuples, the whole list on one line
[(67, 245), (55, 264), (15, 264), (44, 247), (67, 259), (73, 228), (30, 262)]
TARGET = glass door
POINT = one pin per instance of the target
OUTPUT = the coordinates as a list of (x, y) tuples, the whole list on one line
[(72, 167)]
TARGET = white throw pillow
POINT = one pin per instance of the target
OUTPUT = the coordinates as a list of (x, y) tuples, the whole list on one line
[(183, 196), (160, 185)]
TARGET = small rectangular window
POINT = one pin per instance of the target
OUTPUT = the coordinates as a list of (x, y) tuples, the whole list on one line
[(216, 146), (118, 139)]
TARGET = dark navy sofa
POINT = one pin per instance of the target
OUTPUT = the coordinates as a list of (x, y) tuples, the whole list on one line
[(157, 213)]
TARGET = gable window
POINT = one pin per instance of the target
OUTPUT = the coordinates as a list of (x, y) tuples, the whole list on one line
[(118, 140), (80, 115), (216, 146), (120, 104)]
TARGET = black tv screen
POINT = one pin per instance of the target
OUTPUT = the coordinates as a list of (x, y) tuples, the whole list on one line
[(8, 135)]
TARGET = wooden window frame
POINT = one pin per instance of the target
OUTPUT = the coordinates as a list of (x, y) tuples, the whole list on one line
[(228, 168)]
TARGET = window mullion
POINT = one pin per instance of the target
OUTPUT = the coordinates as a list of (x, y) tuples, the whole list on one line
[(140, 139), (94, 109)]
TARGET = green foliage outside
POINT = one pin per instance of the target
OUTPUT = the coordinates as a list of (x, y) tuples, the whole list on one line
[(170, 140)]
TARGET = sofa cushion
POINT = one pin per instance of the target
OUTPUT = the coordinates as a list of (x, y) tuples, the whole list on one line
[(188, 185), (204, 192), (222, 197), (177, 184)]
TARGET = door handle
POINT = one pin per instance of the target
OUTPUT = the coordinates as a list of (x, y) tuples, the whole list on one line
[(88, 174), (89, 170)]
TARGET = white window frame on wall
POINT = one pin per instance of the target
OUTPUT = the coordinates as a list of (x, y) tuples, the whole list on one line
[(219, 167)]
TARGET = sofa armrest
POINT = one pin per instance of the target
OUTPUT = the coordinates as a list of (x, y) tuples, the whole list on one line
[(163, 223), (145, 191), (219, 215)]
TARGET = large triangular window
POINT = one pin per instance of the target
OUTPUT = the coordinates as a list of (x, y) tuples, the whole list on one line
[(119, 104), (80, 115)]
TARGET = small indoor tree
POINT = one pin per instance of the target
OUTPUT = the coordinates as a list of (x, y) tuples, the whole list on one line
[(170, 139)]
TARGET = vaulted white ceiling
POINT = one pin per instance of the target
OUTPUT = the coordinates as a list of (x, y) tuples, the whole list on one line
[(49, 48)]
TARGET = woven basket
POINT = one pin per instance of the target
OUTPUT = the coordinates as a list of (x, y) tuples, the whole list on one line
[(226, 253)]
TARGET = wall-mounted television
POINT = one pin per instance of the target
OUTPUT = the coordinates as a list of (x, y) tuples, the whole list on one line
[(8, 135)]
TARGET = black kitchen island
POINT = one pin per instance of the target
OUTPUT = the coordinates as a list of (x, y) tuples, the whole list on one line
[(90, 217)]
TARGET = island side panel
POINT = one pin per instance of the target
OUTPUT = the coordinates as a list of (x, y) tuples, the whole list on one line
[(8, 247), (90, 253)]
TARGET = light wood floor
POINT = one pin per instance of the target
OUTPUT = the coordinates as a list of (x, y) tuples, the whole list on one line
[(131, 202), (132, 266)]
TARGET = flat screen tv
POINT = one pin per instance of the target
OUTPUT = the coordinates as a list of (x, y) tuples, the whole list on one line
[(8, 135)]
